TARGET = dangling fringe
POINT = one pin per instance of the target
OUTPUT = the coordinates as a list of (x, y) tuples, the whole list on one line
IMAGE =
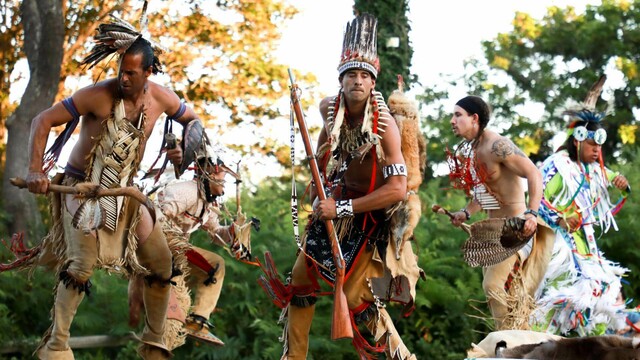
[(284, 339), (365, 350), (24, 256), (343, 226), (385, 336), (132, 246), (174, 335), (270, 282), (519, 302), (335, 120)]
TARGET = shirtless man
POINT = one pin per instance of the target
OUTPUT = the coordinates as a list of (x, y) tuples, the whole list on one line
[(117, 117), (374, 181), (497, 165)]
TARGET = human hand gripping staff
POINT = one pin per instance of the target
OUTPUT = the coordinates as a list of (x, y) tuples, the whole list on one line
[(341, 323)]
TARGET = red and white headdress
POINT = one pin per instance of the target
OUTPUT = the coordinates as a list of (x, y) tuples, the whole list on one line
[(360, 46)]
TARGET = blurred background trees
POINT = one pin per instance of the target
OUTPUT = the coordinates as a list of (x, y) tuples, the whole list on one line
[(394, 45), (532, 69)]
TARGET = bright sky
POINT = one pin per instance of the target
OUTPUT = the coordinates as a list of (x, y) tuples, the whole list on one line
[(444, 33)]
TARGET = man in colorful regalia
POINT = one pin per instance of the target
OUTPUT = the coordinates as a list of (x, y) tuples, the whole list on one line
[(188, 206), (117, 116), (490, 169), (358, 127), (580, 286)]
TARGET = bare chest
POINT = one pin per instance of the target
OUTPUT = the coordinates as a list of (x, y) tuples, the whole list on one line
[(361, 173), (487, 170)]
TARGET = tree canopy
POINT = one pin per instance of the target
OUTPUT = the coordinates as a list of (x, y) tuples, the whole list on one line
[(393, 24), (540, 63), (558, 58)]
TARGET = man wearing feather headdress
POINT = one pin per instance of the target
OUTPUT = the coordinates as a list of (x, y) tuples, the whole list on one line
[(490, 167), (188, 206), (361, 159), (580, 286), (117, 117)]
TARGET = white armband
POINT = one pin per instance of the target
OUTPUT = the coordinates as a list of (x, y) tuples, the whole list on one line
[(394, 170)]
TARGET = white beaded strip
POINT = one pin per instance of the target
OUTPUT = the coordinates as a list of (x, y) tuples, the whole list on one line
[(394, 170), (344, 208)]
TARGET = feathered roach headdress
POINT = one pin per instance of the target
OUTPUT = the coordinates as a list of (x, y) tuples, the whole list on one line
[(360, 45), (117, 36), (112, 38), (582, 115), (215, 155), (586, 112)]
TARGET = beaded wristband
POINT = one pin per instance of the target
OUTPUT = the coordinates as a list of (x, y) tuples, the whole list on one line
[(466, 213), (344, 208)]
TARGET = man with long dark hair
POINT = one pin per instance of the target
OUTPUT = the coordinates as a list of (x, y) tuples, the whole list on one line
[(490, 167), (117, 117)]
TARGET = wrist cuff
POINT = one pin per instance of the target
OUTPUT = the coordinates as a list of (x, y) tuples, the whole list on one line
[(466, 213), (344, 208), (532, 212)]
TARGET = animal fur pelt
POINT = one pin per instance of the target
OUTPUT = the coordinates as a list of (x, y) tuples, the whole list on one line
[(587, 348), (413, 143), (414, 150), (487, 347)]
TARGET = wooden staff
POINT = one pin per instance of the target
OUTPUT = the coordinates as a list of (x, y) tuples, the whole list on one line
[(440, 210), (341, 322), (90, 190)]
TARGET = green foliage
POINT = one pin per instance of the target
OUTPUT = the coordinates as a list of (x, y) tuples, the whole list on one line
[(438, 129), (559, 57), (392, 23), (246, 320), (24, 304), (448, 303)]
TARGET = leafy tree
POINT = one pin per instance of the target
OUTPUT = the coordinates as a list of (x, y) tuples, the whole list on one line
[(559, 57), (44, 35), (392, 23), (10, 36), (232, 42)]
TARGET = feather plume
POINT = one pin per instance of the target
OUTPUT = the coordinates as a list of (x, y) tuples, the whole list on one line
[(144, 20), (359, 45), (585, 111), (117, 36), (594, 93), (89, 216), (111, 38), (492, 241)]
